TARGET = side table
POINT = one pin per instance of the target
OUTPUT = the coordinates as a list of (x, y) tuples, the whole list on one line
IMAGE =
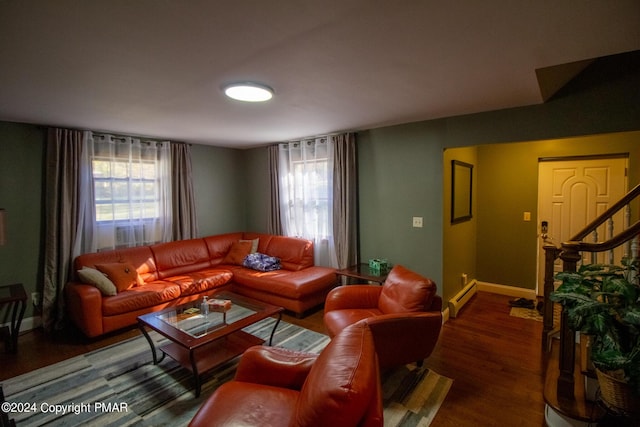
[(15, 299), (362, 272)]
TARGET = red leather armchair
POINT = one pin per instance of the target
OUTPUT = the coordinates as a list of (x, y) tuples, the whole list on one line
[(279, 387), (405, 315)]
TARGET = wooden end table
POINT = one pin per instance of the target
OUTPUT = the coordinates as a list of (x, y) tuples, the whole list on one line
[(200, 343), (362, 272), (15, 299)]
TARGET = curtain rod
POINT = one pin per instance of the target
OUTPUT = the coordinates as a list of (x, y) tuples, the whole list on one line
[(326, 135), (124, 138)]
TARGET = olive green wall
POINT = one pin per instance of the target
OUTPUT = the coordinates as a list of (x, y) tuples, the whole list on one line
[(508, 186), (219, 180), (399, 179), (459, 239), (21, 181), (258, 190)]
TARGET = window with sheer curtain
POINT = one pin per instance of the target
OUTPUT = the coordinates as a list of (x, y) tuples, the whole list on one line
[(131, 191), (306, 194)]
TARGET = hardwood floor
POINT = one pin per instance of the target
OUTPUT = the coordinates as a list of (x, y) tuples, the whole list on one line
[(493, 358)]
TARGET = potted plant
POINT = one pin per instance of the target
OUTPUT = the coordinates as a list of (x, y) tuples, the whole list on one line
[(603, 301)]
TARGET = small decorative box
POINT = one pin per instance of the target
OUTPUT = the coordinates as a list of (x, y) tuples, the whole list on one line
[(219, 305), (378, 266)]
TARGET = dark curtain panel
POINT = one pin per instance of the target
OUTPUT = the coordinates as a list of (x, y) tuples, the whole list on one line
[(275, 224), (185, 222), (345, 201), (68, 189)]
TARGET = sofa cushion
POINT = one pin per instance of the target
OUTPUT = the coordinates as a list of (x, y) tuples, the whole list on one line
[(200, 281), (247, 404), (140, 297), (98, 279), (289, 284), (406, 291), (294, 253), (123, 275), (238, 252), (180, 257)]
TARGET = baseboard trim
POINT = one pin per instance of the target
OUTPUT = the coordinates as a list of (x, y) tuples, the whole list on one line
[(28, 323), (507, 290)]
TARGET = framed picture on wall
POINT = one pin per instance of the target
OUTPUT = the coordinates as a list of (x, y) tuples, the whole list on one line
[(461, 185)]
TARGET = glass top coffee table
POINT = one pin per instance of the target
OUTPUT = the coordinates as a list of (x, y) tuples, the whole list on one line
[(202, 342)]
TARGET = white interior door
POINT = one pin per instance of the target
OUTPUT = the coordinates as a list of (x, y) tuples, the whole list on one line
[(573, 193)]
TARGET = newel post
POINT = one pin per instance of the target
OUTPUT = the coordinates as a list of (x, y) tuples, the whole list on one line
[(570, 257), (551, 253)]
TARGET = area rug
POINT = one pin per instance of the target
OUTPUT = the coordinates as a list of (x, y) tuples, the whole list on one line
[(120, 386), (533, 314)]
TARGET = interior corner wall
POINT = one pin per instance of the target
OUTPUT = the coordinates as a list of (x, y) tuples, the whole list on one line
[(258, 185), (219, 182)]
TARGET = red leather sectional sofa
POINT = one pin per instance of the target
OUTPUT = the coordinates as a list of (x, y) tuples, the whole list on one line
[(178, 272)]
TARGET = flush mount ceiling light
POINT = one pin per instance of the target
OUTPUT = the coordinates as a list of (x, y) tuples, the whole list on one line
[(248, 92)]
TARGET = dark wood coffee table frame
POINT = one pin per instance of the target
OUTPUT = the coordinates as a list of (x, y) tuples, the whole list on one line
[(202, 354)]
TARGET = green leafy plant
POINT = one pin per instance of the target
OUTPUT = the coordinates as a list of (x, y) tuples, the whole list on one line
[(603, 301)]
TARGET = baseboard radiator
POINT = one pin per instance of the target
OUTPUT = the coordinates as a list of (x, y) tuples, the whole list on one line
[(462, 297)]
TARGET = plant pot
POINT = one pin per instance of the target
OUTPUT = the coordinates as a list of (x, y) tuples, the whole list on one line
[(618, 395)]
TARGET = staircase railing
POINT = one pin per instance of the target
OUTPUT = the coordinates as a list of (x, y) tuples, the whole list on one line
[(571, 253)]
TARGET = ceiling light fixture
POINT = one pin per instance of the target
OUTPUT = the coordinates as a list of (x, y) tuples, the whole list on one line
[(249, 92)]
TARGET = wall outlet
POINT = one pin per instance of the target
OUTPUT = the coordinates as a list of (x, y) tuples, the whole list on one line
[(417, 221), (35, 298), (464, 279)]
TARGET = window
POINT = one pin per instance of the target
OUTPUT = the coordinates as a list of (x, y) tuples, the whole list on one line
[(125, 191), (306, 194), (130, 191), (309, 208)]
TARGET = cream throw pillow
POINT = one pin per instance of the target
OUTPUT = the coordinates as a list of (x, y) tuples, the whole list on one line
[(97, 279)]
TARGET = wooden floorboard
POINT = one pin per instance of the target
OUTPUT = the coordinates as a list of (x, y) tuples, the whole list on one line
[(494, 359)]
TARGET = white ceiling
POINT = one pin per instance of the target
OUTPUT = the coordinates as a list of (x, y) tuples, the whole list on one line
[(155, 67)]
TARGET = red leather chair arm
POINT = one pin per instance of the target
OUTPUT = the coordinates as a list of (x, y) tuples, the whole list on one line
[(436, 304), (352, 296), (84, 306), (274, 366), (405, 337)]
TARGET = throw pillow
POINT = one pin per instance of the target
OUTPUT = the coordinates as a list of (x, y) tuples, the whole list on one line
[(124, 276), (254, 244), (97, 279), (262, 262), (239, 250)]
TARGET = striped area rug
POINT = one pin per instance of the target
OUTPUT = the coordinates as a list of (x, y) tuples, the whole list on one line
[(119, 386)]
